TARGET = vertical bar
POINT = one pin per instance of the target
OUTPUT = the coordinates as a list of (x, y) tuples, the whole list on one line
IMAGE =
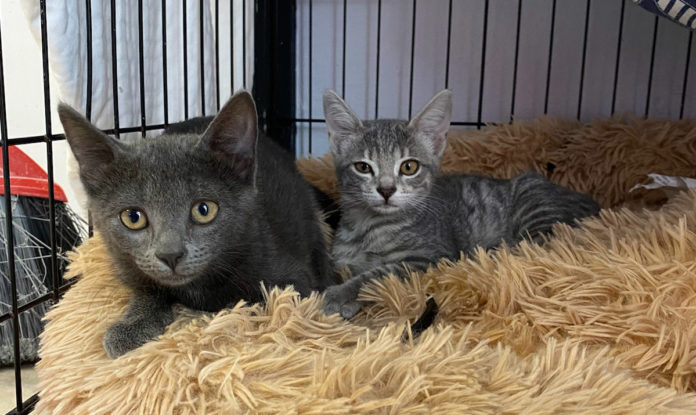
[(686, 74), (244, 37), (584, 57), (618, 58), (165, 90), (652, 67), (343, 70), (55, 277), (88, 97), (9, 243), (449, 43), (231, 47), (413, 49), (141, 68), (202, 55), (379, 33), (310, 76), (114, 67), (517, 56), (274, 81), (550, 60), (185, 34), (217, 54), (483, 65)]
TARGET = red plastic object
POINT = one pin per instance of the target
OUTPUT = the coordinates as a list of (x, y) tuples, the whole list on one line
[(28, 178)]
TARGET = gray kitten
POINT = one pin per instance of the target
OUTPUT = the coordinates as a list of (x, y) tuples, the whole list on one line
[(398, 213), (198, 219)]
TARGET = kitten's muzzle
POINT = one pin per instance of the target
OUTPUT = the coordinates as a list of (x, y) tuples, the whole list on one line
[(386, 192), (170, 259)]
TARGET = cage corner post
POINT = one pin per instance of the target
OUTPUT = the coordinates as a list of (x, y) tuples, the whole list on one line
[(274, 69)]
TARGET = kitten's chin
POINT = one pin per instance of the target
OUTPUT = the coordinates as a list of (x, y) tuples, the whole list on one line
[(172, 279), (386, 209)]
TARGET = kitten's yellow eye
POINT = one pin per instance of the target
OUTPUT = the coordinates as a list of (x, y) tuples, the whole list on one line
[(204, 211), (362, 167), (133, 218), (409, 167)]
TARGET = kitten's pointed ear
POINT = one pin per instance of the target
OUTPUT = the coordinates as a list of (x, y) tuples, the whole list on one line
[(94, 151), (232, 135), (342, 123), (432, 122)]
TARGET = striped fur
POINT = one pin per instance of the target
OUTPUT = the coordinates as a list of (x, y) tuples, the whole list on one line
[(428, 217)]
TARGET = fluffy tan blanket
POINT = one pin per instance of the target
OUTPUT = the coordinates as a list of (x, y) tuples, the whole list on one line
[(600, 319)]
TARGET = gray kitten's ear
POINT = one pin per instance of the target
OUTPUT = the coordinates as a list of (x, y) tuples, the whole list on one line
[(432, 122), (342, 123), (232, 135), (94, 151)]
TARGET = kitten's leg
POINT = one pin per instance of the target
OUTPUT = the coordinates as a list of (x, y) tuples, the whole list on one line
[(146, 318), (343, 298)]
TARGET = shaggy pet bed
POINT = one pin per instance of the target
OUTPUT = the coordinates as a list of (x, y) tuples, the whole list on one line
[(600, 319)]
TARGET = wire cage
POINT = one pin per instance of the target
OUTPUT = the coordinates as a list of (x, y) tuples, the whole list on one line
[(504, 60)]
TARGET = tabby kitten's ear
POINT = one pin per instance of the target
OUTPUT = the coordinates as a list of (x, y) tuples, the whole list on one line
[(232, 135), (343, 125), (430, 125), (94, 151)]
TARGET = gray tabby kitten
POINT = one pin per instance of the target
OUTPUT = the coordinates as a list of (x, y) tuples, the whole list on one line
[(398, 213), (198, 219)]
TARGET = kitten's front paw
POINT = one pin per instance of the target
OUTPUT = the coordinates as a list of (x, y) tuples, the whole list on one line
[(122, 337), (342, 299)]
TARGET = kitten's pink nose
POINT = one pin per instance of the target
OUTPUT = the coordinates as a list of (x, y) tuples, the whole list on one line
[(170, 259), (386, 192)]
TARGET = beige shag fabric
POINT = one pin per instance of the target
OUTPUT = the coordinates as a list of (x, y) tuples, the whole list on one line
[(601, 319)]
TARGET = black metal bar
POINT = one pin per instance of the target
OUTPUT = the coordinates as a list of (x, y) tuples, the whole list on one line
[(165, 90), (54, 275), (379, 33), (217, 53), (343, 70), (517, 58), (310, 74), (652, 67), (114, 68), (202, 55), (449, 43), (618, 57), (27, 406), (584, 58), (9, 243), (231, 47), (274, 86), (550, 60), (483, 64), (39, 300), (141, 67), (88, 97), (185, 34), (244, 51), (32, 139), (686, 74), (413, 49)]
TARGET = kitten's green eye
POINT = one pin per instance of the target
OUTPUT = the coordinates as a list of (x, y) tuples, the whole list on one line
[(409, 167), (362, 167), (134, 219), (204, 211)]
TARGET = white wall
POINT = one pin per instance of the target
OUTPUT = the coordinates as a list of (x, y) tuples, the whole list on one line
[(465, 59)]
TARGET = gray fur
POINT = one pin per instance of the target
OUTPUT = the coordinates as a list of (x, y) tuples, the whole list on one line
[(266, 228), (428, 216)]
